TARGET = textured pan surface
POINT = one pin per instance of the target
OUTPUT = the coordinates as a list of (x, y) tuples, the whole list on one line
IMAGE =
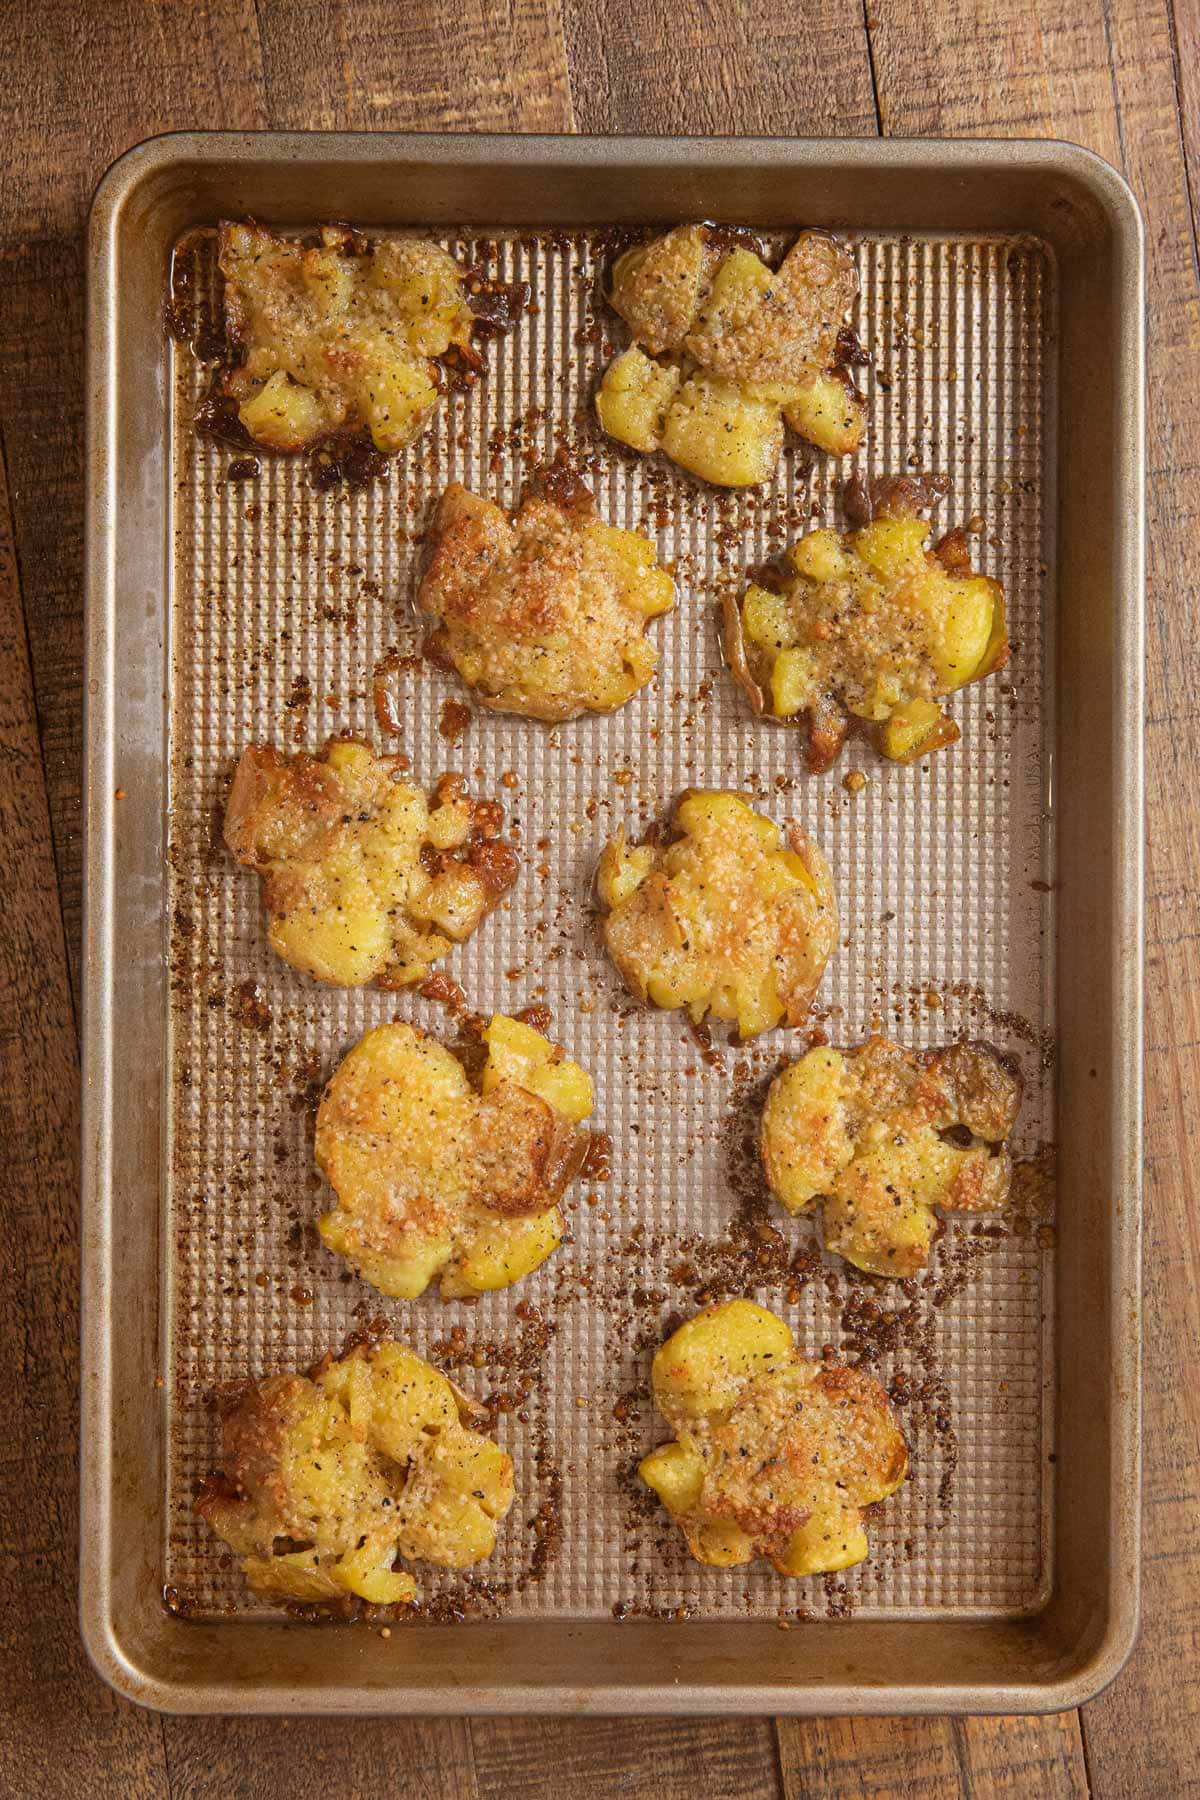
[(282, 600)]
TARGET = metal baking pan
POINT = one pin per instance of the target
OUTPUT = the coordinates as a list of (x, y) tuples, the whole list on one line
[(997, 891)]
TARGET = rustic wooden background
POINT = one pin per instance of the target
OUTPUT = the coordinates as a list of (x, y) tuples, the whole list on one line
[(81, 83)]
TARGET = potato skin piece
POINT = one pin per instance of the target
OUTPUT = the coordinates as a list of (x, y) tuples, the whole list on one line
[(542, 613), (363, 879), (872, 1134), (732, 917), (772, 1455), (330, 1478), (433, 1178)]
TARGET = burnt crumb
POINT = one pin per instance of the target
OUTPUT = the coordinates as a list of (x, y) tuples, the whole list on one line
[(249, 1007), (188, 313), (597, 1158), (351, 461), (216, 417), (564, 481), (890, 496), (385, 690), (454, 720), (497, 305), (243, 468), (538, 1017), (735, 237)]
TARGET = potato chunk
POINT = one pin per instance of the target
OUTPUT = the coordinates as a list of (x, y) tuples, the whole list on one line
[(338, 335), (882, 1135), (331, 1478), (773, 1456), (732, 918), (364, 879), (726, 349), (434, 1178), (543, 613), (870, 629)]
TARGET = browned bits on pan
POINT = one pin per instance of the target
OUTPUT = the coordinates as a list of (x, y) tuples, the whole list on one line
[(454, 720)]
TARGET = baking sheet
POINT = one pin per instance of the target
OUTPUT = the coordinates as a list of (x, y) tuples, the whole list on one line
[(282, 601)]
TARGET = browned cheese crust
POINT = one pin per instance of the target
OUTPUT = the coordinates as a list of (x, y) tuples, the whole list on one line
[(339, 336), (882, 1136), (726, 350), (868, 629), (363, 879), (330, 1478), (731, 917), (773, 1456), (435, 1178), (542, 613)]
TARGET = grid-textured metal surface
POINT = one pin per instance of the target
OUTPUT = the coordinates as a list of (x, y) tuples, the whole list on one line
[(282, 601)]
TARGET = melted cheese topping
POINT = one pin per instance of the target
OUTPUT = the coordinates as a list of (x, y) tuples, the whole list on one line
[(772, 1456), (331, 1478), (364, 880), (866, 1132), (434, 1178), (338, 336), (543, 613), (730, 919), (726, 350), (871, 626)]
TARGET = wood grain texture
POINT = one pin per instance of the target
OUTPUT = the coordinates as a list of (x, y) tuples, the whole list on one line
[(84, 83), (60, 1730), (866, 1759), (320, 1759), (595, 1759), (1113, 78), (81, 85), (373, 66), (797, 70)]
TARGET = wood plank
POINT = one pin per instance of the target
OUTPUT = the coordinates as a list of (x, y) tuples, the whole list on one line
[(1108, 80), (82, 84), (63, 1732), (369, 65), (320, 1759), (1155, 1705), (867, 1759), (642, 1759), (801, 70), (931, 1759)]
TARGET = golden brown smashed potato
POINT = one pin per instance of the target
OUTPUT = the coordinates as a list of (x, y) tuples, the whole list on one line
[(773, 1456), (869, 627), (732, 918), (364, 880), (330, 1478), (726, 350), (434, 1178), (543, 613), (882, 1135), (338, 336)]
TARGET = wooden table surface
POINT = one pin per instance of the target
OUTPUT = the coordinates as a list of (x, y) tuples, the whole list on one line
[(82, 83)]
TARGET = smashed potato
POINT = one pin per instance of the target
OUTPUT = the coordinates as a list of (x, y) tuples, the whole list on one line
[(727, 350), (869, 627), (364, 880), (330, 1478), (338, 335), (882, 1135), (772, 1456), (732, 918), (543, 613), (435, 1179)]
